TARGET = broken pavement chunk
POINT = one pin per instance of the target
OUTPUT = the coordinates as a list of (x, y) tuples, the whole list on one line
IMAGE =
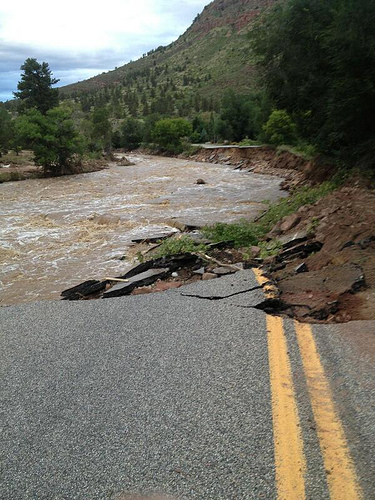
[(223, 271), (84, 290), (143, 279)]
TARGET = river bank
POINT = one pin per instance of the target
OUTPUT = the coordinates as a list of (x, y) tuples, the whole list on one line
[(319, 257), (21, 167), (59, 232)]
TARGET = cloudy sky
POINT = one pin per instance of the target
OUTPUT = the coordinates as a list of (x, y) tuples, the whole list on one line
[(81, 38)]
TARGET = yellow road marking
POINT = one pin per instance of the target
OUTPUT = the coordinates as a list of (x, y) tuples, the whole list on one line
[(268, 288), (290, 461), (289, 457), (341, 476)]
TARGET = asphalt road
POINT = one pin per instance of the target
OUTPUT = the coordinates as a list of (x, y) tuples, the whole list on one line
[(174, 393)]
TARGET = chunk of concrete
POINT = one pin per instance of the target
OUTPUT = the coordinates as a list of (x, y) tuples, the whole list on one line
[(144, 279)]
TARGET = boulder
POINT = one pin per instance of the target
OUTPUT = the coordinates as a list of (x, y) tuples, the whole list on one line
[(302, 250), (275, 232), (124, 162), (223, 271), (255, 251), (290, 240), (209, 276), (302, 268), (290, 222), (200, 271), (201, 181)]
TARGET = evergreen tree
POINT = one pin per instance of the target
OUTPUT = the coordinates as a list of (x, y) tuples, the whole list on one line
[(6, 131), (35, 87), (131, 133), (101, 129), (318, 64)]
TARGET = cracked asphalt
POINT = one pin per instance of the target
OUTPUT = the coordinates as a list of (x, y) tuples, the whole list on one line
[(162, 393)]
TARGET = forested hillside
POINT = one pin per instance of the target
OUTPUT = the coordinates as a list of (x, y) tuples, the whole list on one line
[(188, 76), (290, 72)]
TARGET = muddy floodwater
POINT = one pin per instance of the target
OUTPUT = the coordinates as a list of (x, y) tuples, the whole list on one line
[(56, 233)]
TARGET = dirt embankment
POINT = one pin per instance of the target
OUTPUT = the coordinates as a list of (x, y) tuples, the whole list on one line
[(294, 169), (325, 270)]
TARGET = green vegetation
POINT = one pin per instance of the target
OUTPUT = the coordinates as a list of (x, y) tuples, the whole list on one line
[(280, 129), (188, 76), (173, 246), (9, 176), (35, 87), (246, 233), (53, 139), (101, 131), (303, 70), (249, 142), (317, 60), (131, 134), (168, 133), (6, 131)]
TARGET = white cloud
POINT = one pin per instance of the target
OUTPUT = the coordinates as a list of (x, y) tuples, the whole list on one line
[(84, 35)]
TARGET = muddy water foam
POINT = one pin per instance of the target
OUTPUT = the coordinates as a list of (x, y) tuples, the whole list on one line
[(55, 233)]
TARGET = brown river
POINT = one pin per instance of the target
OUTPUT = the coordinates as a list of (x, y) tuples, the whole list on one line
[(56, 233)]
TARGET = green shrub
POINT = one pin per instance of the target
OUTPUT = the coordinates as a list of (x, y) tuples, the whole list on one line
[(280, 129), (249, 142), (52, 137), (173, 246), (168, 133)]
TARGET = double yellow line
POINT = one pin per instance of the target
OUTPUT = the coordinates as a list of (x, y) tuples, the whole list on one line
[(290, 459)]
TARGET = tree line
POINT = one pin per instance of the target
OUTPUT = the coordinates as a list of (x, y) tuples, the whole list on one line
[(316, 92)]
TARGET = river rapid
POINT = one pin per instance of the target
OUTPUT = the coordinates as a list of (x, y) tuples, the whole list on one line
[(58, 232)]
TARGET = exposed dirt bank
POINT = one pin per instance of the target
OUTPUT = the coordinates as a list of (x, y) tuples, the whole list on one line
[(265, 160), (326, 270)]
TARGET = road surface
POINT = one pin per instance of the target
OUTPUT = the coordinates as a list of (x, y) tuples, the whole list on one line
[(191, 393)]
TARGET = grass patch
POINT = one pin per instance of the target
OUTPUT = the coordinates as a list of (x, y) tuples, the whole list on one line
[(305, 151), (174, 246), (249, 142), (246, 233), (10, 177), (23, 159)]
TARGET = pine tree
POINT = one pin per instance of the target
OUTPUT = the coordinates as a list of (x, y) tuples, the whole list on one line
[(35, 87)]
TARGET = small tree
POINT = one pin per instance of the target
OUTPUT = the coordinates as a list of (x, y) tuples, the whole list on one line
[(131, 133), (280, 129), (35, 87), (53, 139), (168, 133), (5, 130), (101, 129)]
